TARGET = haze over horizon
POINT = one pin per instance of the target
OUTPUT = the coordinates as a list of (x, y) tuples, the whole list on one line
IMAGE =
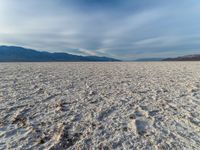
[(120, 29)]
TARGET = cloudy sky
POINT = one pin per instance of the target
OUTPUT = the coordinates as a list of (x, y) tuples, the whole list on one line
[(125, 29)]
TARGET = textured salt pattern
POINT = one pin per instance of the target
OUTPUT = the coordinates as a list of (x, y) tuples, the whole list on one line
[(100, 105)]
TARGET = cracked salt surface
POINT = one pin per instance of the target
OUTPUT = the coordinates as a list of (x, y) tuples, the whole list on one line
[(100, 105)]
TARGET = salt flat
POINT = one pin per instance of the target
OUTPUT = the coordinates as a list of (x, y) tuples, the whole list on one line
[(100, 105)]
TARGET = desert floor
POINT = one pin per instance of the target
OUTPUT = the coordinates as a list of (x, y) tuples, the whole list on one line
[(100, 105)]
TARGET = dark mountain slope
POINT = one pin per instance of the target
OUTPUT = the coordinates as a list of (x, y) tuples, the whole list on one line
[(20, 54), (185, 58)]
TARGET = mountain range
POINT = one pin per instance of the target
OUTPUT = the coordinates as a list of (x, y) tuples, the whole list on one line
[(148, 59), (195, 57), (20, 54)]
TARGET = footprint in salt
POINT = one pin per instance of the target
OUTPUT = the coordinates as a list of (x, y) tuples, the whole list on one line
[(140, 123)]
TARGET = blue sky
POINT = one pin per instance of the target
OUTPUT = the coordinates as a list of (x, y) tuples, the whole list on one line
[(124, 29)]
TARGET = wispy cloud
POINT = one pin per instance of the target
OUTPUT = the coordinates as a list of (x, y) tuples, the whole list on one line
[(122, 29)]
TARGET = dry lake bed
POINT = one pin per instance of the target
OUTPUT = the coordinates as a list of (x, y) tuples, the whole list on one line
[(149, 106)]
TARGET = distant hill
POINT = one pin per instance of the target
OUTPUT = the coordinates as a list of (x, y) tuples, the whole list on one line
[(185, 58), (149, 59), (20, 54)]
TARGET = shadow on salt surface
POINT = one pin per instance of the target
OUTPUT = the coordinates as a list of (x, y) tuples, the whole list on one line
[(104, 114)]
